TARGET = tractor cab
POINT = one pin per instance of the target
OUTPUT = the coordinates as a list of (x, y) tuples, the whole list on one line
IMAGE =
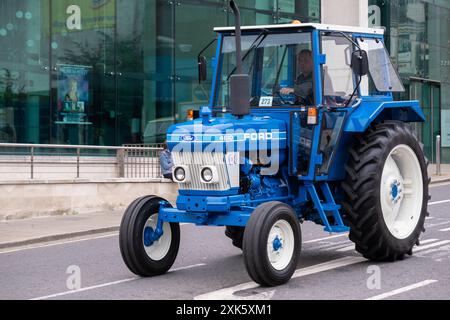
[(310, 76)]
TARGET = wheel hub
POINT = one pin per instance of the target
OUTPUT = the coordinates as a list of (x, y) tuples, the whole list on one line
[(396, 191), (277, 243), (280, 244)]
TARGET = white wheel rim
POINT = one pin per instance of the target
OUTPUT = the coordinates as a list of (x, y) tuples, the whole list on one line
[(158, 249), (280, 245), (401, 191)]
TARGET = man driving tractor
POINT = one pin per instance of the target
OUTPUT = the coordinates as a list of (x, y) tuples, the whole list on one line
[(303, 88)]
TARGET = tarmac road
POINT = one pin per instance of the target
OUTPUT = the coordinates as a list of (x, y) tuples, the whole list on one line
[(209, 267)]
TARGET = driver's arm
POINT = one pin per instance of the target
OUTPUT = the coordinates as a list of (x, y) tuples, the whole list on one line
[(303, 89)]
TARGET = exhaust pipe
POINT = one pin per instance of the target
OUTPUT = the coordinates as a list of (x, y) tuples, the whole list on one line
[(239, 82)]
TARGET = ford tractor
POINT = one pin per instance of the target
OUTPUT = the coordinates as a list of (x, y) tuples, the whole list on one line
[(301, 126)]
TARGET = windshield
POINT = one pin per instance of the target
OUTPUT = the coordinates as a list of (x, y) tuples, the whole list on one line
[(383, 74), (280, 68)]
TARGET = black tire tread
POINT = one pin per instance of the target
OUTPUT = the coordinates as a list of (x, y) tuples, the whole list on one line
[(255, 264), (359, 205), (131, 254)]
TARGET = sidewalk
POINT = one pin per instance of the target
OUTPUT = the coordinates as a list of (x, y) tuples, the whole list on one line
[(14, 233), (445, 173)]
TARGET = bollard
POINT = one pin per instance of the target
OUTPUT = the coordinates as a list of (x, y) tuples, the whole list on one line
[(438, 155)]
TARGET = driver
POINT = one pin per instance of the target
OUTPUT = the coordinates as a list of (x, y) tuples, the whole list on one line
[(303, 88)]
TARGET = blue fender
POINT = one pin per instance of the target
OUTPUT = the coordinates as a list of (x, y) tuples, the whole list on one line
[(369, 111)]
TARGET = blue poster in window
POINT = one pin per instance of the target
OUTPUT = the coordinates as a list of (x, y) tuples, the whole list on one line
[(73, 93)]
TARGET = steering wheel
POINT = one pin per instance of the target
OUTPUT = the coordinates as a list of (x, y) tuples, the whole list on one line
[(276, 90)]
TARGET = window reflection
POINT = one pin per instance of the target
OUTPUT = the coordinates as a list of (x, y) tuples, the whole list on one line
[(112, 72)]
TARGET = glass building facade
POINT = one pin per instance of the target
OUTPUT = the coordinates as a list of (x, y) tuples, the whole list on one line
[(418, 38), (113, 72)]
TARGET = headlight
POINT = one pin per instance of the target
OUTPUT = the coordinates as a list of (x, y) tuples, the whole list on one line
[(179, 174), (207, 174)]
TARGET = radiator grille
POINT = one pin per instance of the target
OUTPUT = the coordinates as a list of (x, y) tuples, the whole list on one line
[(194, 161)]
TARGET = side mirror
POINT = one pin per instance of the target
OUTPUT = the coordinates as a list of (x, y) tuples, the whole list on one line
[(201, 69), (360, 63)]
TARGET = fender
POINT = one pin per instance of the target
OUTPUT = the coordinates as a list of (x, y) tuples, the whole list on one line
[(369, 111)]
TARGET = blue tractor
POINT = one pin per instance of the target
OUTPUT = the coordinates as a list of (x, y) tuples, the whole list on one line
[(301, 126)]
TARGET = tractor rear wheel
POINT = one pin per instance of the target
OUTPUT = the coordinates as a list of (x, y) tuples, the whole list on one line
[(272, 243), (386, 191), (236, 234), (141, 254)]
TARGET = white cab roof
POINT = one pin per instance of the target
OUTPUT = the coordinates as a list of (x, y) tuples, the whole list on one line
[(318, 26)]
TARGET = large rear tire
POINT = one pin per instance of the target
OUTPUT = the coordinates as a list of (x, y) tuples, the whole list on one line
[(272, 243), (386, 191), (142, 256)]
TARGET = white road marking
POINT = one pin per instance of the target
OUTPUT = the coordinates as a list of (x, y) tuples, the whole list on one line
[(187, 267), (427, 241), (230, 292), (439, 184), (446, 229), (60, 243), (439, 243), (443, 248), (348, 248), (342, 245), (438, 202), (429, 218), (437, 224), (401, 290), (331, 244), (107, 284), (352, 247), (29, 247), (84, 289), (330, 237)]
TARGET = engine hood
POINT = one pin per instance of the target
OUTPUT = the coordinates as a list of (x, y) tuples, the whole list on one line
[(246, 134)]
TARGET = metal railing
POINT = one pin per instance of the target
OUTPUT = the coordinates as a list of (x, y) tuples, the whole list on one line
[(129, 161)]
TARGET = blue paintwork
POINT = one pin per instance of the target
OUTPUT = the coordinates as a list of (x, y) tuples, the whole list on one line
[(233, 207), (148, 236), (394, 190), (228, 134), (369, 111), (277, 244)]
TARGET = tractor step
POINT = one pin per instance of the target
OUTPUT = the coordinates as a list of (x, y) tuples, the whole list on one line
[(330, 206), (327, 205)]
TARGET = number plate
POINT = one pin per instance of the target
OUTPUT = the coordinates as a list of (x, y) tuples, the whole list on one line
[(265, 101)]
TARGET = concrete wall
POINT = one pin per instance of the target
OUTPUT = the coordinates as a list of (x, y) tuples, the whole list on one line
[(345, 12), (26, 199)]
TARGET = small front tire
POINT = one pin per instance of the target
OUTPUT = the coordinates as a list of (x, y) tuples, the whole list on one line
[(272, 244), (143, 257)]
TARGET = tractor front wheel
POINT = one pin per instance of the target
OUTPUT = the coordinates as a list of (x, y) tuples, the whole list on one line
[(386, 191), (142, 254), (272, 243)]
